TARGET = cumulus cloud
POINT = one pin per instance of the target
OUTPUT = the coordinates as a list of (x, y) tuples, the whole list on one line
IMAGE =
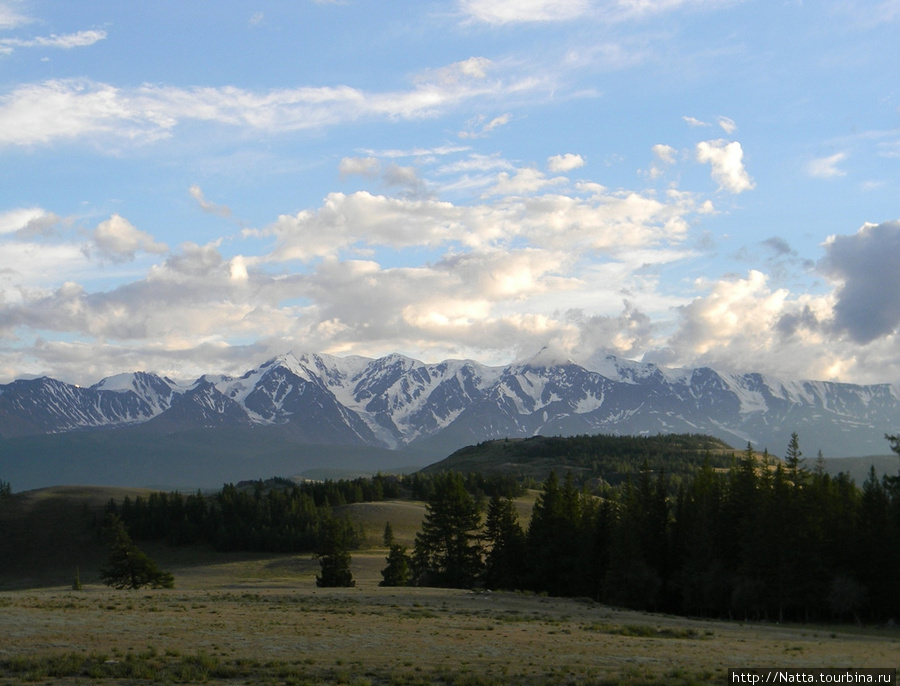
[(664, 153), (727, 162), (523, 182), (826, 167), (119, 240), (863, 266), (564, 163), (26, 221), (593, 219), (665, 156), (742, 323), (548, 262), (344, 220)]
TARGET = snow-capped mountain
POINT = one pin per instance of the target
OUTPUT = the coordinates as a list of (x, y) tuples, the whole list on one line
[(395, 402)]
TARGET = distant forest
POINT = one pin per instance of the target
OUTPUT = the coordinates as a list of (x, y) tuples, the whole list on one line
[(759, 539)]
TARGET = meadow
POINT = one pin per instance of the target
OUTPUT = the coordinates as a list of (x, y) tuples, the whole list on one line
[(259, 618)]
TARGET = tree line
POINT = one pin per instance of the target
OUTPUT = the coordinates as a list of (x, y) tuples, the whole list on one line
[(274, 516), (763, 539)]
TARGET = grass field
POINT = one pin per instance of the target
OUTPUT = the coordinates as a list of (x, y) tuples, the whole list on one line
[(260, 619)]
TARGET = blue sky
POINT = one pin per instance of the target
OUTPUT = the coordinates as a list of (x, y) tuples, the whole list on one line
[(196, 187)]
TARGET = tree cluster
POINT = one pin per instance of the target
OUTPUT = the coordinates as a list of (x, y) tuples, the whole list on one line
[(5, 489), (763, 539), (274, 519)]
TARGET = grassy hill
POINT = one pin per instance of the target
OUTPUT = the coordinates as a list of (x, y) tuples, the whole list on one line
[(608, 458)]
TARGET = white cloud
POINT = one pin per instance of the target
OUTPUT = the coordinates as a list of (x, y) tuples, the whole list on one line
[(665, 155), (28, 267), (521, 11), (197, 194), (827, 167), (506, 12), (119, 240), (524, 182), (564, 163), (727, 161), (67, 41), (69, 109), (727, 125), (12, 221), (362, 166), (10, 18), (344, 220), (743, 324), (477, 128), (694, 122)]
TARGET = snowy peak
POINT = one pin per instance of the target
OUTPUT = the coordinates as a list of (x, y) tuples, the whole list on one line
[(396, 401)]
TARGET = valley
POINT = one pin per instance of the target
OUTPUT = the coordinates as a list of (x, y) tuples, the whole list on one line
[(242, 618)]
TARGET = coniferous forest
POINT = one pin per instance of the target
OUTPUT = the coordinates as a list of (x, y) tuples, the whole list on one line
[(764, 539), (760, 539)]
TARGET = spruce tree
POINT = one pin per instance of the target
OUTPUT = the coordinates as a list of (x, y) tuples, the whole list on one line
[(506, 545), (559, 536), (446, 551), (398, 571), (793, 458), (334, 558), (336, 572)]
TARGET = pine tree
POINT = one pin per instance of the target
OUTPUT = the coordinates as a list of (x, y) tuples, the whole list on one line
[(388, 536), (129, 567)]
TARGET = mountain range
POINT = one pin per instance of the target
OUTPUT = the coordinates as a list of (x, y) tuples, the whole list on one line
[(311, 410)]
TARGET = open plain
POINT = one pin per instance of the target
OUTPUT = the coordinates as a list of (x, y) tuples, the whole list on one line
[(259, 618)]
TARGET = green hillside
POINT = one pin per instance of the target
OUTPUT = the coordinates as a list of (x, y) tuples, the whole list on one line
[(608, 458)]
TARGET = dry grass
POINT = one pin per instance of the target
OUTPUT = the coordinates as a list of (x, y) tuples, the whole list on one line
[(260, 619)]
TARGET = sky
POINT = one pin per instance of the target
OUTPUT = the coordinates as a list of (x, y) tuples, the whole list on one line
[(196, 187)]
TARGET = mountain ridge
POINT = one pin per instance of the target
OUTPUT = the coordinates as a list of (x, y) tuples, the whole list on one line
[(396, 401)]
